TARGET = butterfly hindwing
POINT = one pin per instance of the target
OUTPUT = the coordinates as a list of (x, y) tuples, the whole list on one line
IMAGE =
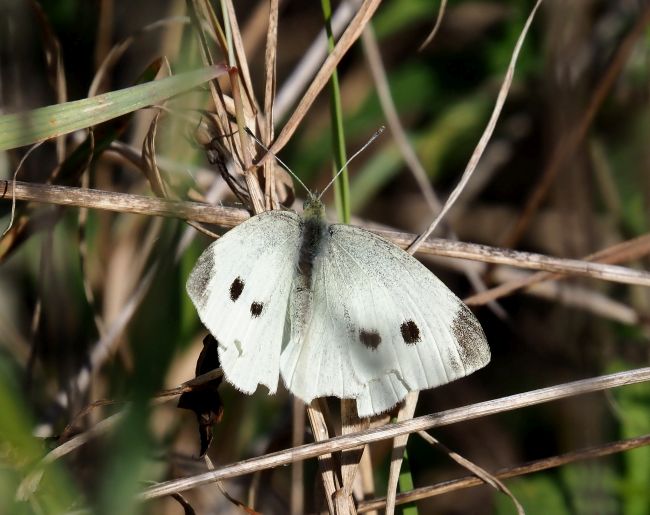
[(240, 287), (382, 325)]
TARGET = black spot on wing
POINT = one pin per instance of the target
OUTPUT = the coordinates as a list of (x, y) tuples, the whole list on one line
[(370, 339), (256, 309), (469, 335), (236, 289), (410, 332)]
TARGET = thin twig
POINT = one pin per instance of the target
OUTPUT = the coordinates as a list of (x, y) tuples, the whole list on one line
[(297, 498), (229, 217), (406, 412), (325, 461), (626, 251), (443, 418), (505, 473), (312, 59), (479, 472), (434, 31)]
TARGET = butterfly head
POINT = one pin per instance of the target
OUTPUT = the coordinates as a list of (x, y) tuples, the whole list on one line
[(313, 208)]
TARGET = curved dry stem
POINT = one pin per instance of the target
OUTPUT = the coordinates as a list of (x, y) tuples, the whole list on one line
[(434, 31), (13, 195), (479, 472), (485, 137)]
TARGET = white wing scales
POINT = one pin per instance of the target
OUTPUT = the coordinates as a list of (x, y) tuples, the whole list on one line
[(382, 325), (317, 362), (240, 287)]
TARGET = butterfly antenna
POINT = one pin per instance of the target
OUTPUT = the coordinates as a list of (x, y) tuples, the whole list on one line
[(366, 145), (278, 160)]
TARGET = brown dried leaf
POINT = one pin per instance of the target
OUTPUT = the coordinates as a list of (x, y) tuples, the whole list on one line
[(205, 400)]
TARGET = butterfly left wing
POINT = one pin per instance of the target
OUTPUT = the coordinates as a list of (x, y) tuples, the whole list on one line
[(240, 287), (381, 325)]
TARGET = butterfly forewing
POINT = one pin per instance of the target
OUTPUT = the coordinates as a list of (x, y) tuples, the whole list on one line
[(240, 287)]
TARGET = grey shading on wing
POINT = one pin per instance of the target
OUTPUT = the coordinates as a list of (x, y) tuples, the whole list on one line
[(240, 287), (382, 325)]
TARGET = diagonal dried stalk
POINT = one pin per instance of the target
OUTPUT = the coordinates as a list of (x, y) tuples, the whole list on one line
[(479, 472), (485, 137), (406, 412), (422, 423), (520, 470), (626, 251), (294, 85), (567, 294), (371, 49), (351, 34), (351, 423)]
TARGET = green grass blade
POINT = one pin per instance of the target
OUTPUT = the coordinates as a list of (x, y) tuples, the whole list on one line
[(342, 185), (26, 128), (406, 485)]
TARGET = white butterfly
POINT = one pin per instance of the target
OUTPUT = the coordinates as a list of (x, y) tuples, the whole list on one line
[(334, 309)]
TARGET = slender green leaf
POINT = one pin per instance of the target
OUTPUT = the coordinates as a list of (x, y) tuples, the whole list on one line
[(26, 128), (341, 187)]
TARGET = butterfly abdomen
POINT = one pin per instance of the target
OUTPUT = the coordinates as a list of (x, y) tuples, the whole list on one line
[(313, 232)]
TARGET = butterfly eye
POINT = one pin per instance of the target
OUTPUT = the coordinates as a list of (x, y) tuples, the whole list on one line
[(370, 339), (236, 289), (410, 332), (256, 309)]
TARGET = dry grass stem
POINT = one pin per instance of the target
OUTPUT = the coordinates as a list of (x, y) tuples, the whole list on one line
[(371, 49), (229, 217), (297, 501), (630, 250), (434, 31), (423, 423), (325, 461), (406, 412), (311, 60), (590, 300), (407, 151), (14, 197), (527, 468)]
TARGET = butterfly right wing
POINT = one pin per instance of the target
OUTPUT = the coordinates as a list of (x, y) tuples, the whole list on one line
[(240, 287)]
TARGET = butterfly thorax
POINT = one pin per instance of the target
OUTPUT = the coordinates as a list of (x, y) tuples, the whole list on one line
[(313, 230)]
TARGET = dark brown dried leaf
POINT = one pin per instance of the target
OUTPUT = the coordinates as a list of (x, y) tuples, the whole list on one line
[(205, 400)]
